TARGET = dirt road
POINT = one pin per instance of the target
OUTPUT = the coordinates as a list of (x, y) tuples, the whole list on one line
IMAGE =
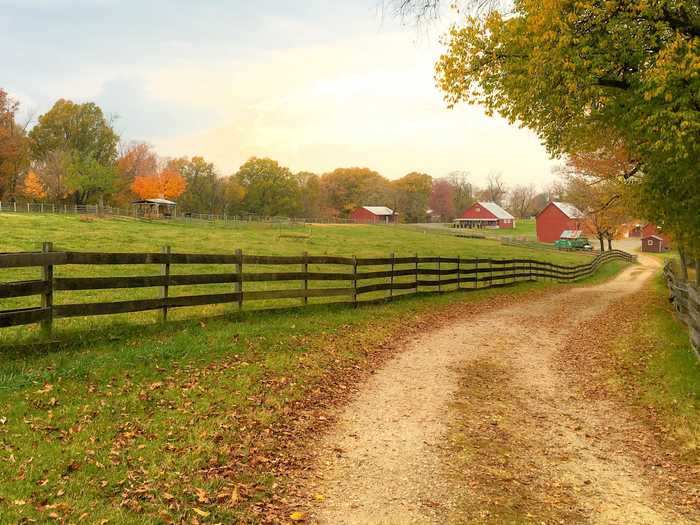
[(494, 381)]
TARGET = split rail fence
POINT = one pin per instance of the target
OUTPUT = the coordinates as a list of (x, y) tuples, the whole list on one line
[(364, 282), (686, 299)]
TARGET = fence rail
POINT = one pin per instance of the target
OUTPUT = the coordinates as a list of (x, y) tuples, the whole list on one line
[(432, 274), (95, 209), (686, 299)]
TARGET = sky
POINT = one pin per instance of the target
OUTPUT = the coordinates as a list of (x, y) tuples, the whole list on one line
[(314, 84)]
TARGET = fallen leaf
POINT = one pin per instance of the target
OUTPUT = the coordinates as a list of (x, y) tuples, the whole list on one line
[(201, 512), (297, 516)]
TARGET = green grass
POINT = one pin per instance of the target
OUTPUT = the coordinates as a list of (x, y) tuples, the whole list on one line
[(22, 232), (665, 372), (131, 421)]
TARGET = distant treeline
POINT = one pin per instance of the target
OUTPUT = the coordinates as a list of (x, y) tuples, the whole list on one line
[(73, 155)]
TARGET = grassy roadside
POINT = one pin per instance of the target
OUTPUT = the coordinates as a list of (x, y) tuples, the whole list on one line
[(194, 421), (657, 365)]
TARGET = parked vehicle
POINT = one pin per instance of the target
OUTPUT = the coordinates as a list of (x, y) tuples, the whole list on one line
[(572, 240)]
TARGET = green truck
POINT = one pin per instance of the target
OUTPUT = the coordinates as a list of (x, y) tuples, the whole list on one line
[(572, 240)]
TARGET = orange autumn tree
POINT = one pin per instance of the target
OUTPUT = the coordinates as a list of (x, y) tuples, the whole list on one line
[(32, 187), (166, 184)]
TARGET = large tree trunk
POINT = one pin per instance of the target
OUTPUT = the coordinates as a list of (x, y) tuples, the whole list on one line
[(610, 243), (602, 243)]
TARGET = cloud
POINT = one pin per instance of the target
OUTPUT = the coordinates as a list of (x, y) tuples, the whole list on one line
[(369, 100)]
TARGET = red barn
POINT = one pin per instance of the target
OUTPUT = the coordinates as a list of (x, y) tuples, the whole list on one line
[(373, 215), (654, 243), (556, 218), (485, 215)]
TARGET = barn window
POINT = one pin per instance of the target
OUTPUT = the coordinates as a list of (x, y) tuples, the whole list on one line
[(650, 242), (477, 209)]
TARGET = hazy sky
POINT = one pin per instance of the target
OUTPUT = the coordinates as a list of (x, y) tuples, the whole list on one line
[(315, 84)]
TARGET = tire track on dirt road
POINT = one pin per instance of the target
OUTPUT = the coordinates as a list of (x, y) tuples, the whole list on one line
[(384, 461)]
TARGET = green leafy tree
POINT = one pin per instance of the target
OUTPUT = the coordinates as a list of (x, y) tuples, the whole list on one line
[(270, 189), (412, 196), (576, 70), (344, 189), (204, 193), (310, 194), (86, 138)]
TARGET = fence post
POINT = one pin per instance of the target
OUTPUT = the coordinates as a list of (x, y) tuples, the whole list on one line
[(439, 275), (14, 206), (490, 273), (476, 273), (239, 282), (47, 296), (305, 284), (354, 281), (165, 272), (391, 279), (459, 272), (416, 275)]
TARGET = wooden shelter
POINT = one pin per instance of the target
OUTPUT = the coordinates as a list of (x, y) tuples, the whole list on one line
[(154, 208)]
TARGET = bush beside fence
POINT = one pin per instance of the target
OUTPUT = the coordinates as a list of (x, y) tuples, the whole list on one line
[(686, 300), (444, 273)]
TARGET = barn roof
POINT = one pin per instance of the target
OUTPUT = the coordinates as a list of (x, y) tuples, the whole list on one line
[(496, 210), (653, 237), (379, 210), (568, 209), (155, 201)]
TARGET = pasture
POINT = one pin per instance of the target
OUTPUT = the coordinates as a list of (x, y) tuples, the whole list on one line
[(142, 422), (24, 232)]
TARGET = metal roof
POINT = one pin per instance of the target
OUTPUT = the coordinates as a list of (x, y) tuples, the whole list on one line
[(653, 237), (379, 210), (155, 201), (496, 210), (568, 209), (571, 234)]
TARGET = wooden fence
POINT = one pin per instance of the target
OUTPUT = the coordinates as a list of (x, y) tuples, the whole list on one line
[(404, 275), (686, 299)]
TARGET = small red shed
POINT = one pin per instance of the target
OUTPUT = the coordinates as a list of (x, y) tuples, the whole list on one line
[(485, 215), (654, 244), (557, 217), (373, 215)]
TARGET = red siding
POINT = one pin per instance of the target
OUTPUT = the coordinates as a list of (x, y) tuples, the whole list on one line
[(506, 223), (652, 244), (364, 216), (476, 211), (652, 229), (551, 222)]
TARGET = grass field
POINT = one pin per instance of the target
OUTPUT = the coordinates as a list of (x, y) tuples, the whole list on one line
[(147, 423), (660, 367), (22, 232)]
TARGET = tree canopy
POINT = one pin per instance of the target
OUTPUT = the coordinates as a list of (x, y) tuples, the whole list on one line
[(586, 75)]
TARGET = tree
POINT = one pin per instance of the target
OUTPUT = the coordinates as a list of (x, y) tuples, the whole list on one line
[(32, 187), (310, 194), (87, 178), (136, 159), (204, 185), (412, 195), (576, 71), (495, 190), (345, 189), (521, 201), (270, 189), (165, 184), (14, 146), (87, 142), (442, 199), (463, 190), (233, 195), (602, 202)]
